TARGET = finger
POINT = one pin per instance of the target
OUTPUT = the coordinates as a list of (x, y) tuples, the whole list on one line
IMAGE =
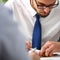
[(33, 4), (41, 53), (48, 50), (28, 45), (52, 53)]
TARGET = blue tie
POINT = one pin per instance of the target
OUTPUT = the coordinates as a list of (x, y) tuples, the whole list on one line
[(36, 38)]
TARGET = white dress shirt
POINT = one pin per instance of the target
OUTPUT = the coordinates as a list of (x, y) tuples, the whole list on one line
[(24, 14)]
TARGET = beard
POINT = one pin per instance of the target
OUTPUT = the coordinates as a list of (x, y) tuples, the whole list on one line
[(43, 14)]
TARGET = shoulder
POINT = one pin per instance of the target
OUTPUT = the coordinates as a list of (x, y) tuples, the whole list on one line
[(6, 19), (6, 10), (5, 14)]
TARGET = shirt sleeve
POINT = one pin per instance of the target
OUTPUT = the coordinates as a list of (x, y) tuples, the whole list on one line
[(12, 43)]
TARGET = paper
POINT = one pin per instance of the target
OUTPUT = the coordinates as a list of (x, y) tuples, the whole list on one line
[(50, 58)]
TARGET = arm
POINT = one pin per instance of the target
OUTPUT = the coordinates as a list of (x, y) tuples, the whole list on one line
[(11, 39)]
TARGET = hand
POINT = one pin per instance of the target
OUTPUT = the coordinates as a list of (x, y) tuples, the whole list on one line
[(49, 48), (34, 56), (33, 4), (28, 45)]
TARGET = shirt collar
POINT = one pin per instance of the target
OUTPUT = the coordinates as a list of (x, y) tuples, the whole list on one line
[(28, 6)]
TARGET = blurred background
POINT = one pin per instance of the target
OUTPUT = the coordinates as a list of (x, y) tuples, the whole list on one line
[(3, 1)]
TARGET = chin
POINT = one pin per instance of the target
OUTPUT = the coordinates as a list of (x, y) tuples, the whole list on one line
[(44, 15)]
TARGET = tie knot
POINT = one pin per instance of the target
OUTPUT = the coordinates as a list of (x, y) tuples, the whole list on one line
[(37, 16)]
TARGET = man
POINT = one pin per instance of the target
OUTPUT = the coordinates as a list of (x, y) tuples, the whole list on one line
[(43, 8), (12, 44), (24, 12)]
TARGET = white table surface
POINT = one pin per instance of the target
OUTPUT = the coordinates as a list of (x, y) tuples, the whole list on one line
[(50, 58)]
